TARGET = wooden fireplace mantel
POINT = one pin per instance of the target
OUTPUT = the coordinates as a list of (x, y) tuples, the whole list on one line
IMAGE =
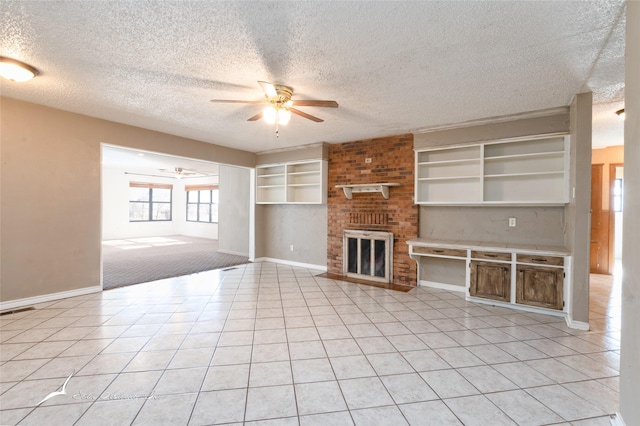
[(383, 188)]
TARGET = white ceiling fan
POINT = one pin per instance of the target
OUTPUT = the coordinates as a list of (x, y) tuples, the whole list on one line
[(179, 172)]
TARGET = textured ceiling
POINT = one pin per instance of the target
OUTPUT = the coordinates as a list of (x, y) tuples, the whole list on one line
[(135, 161), (394, 67)]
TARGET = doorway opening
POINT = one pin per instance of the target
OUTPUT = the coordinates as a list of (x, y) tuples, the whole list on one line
[(162, 216), (616, 184), (607, 181)]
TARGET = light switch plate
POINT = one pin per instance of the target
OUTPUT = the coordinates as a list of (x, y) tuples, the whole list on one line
[(512, 222)]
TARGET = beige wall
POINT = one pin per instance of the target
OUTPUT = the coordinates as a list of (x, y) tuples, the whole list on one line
[(317, 151), (235, 207), (537, 226), (50, 203), (630, 335), (278, 226), (607, 156), (556, 121), (50, 189), (578, 211)]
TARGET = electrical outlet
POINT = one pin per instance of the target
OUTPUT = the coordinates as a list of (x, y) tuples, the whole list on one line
[(367, 160), (512, 222), (291, 247)]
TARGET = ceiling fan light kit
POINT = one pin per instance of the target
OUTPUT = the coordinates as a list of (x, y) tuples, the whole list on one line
[(280, 105), (276, 115)]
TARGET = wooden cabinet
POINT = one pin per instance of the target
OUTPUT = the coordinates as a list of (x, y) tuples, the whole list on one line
[(490, 280), (518, 277), (540, 286), (491, 255), (537, 285), (523, 171), (440, 251), (292, 183)]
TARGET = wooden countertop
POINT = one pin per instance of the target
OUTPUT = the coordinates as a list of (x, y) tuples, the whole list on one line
[(499, 247)]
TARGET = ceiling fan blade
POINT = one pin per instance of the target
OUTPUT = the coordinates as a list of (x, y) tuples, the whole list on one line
[(305, 115), (234, 101), (269, 89), (256, 117), (310, 102)]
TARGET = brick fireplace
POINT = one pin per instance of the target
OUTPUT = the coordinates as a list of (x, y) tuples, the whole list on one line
[(391, 161)]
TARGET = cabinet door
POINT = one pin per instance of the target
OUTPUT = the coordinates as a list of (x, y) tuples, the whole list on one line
[(491, 280), (540, 286)]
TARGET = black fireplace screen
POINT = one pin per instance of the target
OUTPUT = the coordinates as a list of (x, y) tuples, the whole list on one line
[(364, 258)]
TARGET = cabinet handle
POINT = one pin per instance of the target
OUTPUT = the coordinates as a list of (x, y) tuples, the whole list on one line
[(539, 259), (438, 251)]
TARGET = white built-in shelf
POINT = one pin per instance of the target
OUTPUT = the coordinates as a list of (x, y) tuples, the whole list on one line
[(300, 182), (525, 171), (383, 188)]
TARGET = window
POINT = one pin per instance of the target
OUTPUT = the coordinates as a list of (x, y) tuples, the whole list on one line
[(202, 203), (617, 195), (149, 202)]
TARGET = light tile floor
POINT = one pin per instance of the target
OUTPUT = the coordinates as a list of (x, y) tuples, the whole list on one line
[(272, 344)]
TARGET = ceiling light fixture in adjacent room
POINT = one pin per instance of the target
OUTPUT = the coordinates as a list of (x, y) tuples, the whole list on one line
[(15, 70), (620, 113)]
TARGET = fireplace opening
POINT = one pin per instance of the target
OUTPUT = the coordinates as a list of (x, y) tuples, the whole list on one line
[(368, 255)]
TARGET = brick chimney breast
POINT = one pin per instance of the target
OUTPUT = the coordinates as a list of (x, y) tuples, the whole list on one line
[(389, 159)]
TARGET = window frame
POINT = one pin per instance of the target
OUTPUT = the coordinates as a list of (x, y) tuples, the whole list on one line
[(198, 203), (617, 198), (150, 202)]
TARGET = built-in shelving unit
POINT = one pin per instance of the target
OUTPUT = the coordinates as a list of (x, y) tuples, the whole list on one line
[(302, 182), (536, 279), (529, 171), (270, 184)]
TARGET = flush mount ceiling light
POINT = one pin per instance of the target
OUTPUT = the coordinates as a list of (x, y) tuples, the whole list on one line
[(620, 113), (15, 70)]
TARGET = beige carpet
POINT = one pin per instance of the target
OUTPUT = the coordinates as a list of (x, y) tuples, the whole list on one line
[(138, 260)]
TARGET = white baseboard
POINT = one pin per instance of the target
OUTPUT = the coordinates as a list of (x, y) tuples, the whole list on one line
[(235, 253), (577, 325), (517, 306), (292, 263), (29, 301), (616, 420), (442, 286)]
